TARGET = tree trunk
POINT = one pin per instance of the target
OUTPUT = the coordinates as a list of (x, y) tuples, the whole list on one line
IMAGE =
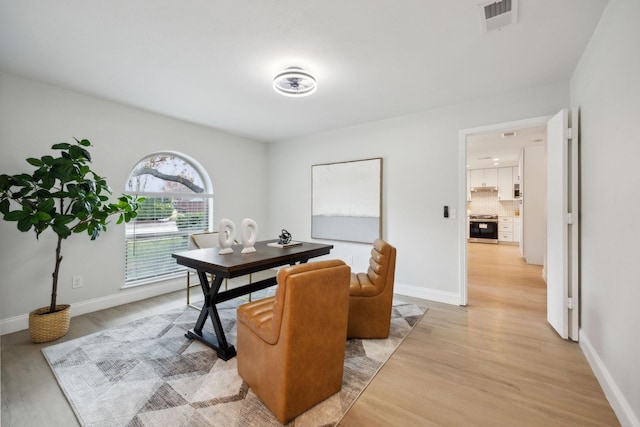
[(56, 271)]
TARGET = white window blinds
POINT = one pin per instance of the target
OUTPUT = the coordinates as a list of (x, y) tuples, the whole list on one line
[(177, 203)]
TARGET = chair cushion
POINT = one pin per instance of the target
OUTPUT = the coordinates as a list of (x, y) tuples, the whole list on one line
[(373, 282), (258, 316)]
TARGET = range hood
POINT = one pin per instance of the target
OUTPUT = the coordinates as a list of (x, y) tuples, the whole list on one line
[(484, 188)]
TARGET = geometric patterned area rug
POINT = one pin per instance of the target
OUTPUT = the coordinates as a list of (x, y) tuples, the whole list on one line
[(147, 373)]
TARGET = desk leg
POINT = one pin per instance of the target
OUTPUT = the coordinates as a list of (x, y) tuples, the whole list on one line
[(218, 341)]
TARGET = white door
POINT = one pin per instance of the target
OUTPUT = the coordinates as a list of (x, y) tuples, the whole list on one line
[(562, 224)]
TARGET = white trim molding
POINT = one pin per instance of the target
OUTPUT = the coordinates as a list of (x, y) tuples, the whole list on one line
[(616, 398), (426, 293), (21, 322)]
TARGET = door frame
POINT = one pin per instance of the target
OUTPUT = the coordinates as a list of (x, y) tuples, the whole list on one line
[(462, 189)]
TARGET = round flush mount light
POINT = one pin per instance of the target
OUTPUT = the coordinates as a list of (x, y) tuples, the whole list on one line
[(294, 81)]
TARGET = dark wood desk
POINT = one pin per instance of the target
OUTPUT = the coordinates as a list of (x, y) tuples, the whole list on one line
[(233, 265)]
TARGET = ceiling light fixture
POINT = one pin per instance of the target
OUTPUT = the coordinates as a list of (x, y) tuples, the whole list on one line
[(294, 81)]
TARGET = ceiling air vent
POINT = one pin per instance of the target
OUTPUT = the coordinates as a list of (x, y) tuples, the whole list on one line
[(495, 15)]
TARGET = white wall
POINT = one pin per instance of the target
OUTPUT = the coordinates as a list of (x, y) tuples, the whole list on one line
[(420, 175), (606, 88), (33, 117), (534, 194)]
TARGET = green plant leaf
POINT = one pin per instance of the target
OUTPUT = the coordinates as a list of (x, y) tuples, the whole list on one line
[(40, 173), (48, 181), (43, 194), (22, 179), (64, 219), (5, 182), (35, 162), (61, 230), (46, 205), (16, 215), (43, 216), (80, 154), (25, 224), (23, 192), (4, 206), (40, 227), (72, 189), (80, 227), (47, 160), (29, 205), (61, 146), (85, 153)]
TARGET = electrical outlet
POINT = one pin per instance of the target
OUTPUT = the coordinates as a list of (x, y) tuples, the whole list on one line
[(76, 282), (350, 260)]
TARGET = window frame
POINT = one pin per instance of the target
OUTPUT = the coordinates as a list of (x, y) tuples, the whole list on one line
[(207, 195)]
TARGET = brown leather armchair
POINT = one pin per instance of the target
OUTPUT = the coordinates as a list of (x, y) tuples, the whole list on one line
[(291, 346), (371, 294)]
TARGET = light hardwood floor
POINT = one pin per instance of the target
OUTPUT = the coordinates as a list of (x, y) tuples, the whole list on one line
[(30, 393), (495, 362)]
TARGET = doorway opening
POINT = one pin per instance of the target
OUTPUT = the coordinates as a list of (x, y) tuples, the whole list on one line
[(504, 142)]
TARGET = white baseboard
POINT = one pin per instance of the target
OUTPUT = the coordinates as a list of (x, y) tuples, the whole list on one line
[(428, 294), (617, 400), (21, 322)]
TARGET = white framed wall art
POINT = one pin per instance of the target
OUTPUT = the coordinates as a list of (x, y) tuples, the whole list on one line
[(347, 200)]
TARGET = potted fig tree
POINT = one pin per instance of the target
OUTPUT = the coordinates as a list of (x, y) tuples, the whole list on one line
[(62, 194)]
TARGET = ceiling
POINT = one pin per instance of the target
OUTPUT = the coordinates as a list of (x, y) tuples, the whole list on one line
[(492, 149), (212, 62)]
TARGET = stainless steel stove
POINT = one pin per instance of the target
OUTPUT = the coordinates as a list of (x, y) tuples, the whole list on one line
[(483, 228), (484, 217)]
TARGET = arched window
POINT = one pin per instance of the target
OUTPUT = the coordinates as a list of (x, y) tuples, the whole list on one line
[(178, 202)]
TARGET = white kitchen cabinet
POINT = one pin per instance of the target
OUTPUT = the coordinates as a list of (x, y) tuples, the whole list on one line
[(505, 236), (484, 177), (505, 229), (468, 186), (505, 183), (476, 177), (516, 174), (491, 177)]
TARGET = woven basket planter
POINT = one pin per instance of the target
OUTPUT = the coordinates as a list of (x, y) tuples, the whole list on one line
[(45, 326)]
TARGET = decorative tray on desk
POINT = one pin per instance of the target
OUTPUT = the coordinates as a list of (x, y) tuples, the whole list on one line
[(283, 245)]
